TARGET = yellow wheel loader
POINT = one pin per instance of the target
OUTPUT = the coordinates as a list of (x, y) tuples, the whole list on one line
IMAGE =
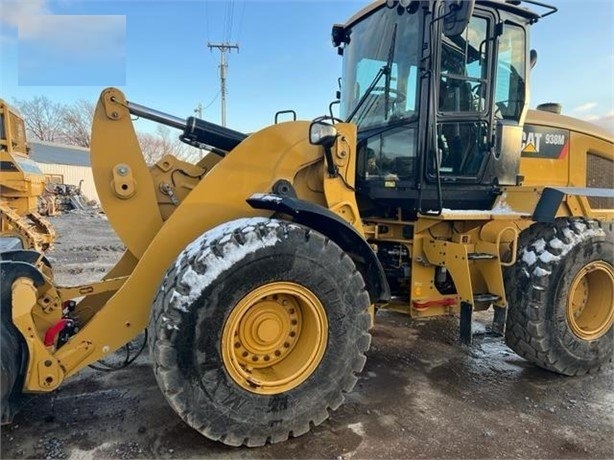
[(21, 186), (257, 271)]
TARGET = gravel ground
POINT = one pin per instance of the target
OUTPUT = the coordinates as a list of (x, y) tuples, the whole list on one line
[(421, 395)]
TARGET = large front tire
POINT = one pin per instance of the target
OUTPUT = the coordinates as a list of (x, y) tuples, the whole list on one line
[(561, 296), (258, 330)]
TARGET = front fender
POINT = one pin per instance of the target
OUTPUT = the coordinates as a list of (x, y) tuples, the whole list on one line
[(334, 227)]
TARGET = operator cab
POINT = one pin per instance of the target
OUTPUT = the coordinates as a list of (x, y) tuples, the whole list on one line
[(439, 108)]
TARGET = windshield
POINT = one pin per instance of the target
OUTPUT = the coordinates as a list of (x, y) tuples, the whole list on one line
[(389, 41)]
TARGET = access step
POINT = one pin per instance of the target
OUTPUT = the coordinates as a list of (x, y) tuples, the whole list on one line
[(485, 297), (466, 314), (481, 256)]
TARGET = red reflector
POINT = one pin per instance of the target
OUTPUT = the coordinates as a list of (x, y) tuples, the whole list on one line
[(433, 303)]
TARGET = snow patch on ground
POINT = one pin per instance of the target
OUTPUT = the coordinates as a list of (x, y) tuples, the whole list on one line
[(357, 428)]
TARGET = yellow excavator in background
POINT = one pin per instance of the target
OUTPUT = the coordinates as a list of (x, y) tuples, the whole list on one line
[(257, 271), (21, 185)]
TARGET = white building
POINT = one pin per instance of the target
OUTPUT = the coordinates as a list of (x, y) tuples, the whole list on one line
[(65, 164)]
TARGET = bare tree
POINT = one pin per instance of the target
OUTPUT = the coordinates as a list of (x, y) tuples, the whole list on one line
[(43, 118), (72, 124), (155, 146), (77, 123), (150, 146)]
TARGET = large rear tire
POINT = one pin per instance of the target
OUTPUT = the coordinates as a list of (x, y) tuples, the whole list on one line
[(561, 296), (258, 331)]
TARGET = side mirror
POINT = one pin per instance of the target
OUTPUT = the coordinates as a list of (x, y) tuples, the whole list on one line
[(457, 14), (321, 133), (533, 58)]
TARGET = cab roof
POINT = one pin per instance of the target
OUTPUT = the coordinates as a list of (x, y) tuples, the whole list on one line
[(511, 6)]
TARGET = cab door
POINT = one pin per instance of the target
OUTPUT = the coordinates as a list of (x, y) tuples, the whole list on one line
[(463, 93)]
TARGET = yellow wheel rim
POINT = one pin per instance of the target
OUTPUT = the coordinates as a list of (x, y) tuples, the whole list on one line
[(274, 338), (590, 304)]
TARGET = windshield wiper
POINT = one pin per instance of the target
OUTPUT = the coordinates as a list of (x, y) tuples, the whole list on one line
[(385, 70), (367, 93)]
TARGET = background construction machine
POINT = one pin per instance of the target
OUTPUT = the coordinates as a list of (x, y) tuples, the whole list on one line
[(258, 269), (21, 184)]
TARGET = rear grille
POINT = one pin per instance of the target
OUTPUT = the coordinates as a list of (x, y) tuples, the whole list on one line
[(599, 174)]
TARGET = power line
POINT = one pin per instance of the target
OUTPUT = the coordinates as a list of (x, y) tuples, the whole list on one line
[(228, 19), (231, 20), (207, 19), (212, 101), (241, 22)]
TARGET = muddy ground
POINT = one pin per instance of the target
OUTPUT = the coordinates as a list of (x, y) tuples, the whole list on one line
[(421, 395)]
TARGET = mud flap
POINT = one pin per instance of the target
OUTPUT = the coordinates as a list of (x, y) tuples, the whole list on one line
[(13, 352), (466, 318)]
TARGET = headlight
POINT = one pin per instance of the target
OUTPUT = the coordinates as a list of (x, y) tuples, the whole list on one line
[(321, 133)]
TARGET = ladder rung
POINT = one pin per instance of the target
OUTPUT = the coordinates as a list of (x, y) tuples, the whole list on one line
[(486, 297), (481, 256)]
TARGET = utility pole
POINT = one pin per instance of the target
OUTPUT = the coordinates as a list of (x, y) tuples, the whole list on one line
[(199, 110), (224, 48)]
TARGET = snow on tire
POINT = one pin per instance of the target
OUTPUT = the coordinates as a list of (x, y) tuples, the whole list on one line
[(258, 330), (561, 296)]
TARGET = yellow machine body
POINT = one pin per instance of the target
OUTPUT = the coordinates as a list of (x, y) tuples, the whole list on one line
[(553, 208), (155, 230), (21, 184)]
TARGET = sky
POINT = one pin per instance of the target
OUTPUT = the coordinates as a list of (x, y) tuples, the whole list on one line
[(156, 52)]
